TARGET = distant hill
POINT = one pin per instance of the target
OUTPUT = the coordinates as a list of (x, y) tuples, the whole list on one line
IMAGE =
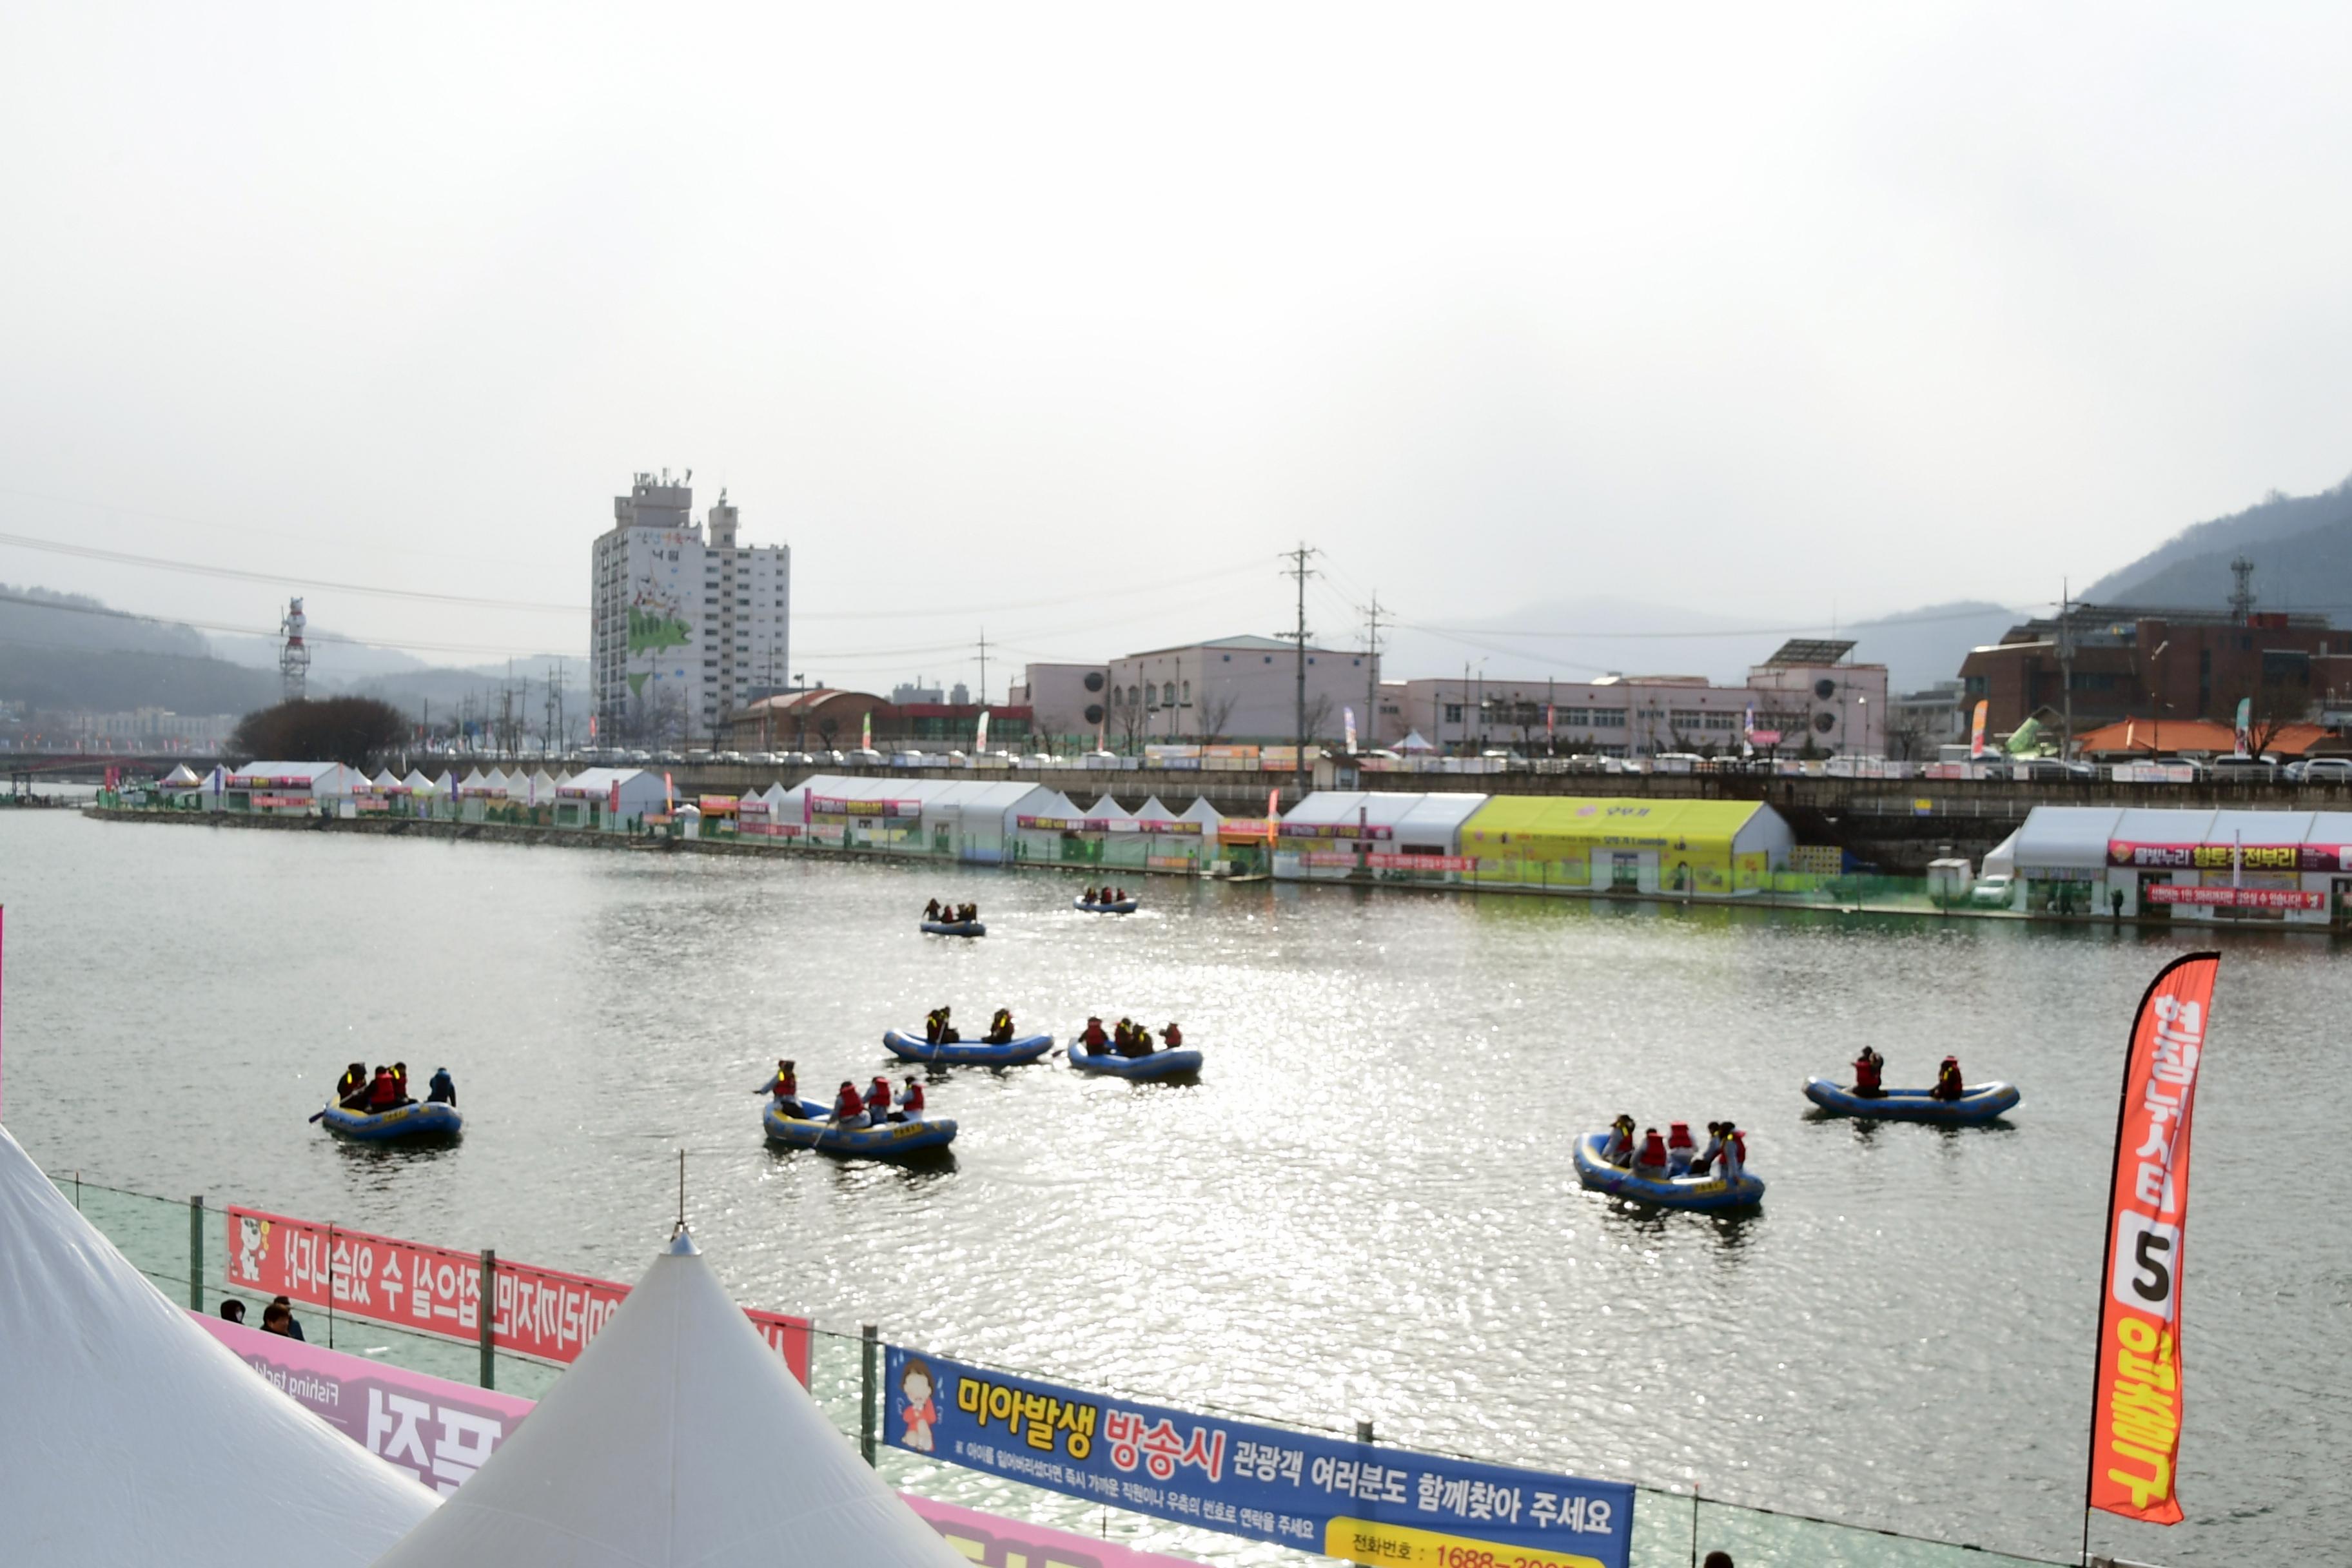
[(37, 618), (2300, 547), (112, 681), (1921, 646)]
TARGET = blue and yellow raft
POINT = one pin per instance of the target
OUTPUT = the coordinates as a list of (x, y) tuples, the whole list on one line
[(1701, 1193), (1184, 1062), (1979, 1102), (888, 1141), (429, 1119), (913, 1047)]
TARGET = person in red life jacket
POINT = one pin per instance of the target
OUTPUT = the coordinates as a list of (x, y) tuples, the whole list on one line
[(878, 1101), (1947, 1080), (910, 1101), (786, 1087), (848, 1110), (399, 1076), (1619, 1150), (1867, 1068), (1172, 1037), (384, 1093), (1680, 1147), (1094, 1042), (1733, 1160), (1651, 1159)]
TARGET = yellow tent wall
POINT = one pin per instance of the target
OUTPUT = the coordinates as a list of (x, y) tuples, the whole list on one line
[(1551, 840)]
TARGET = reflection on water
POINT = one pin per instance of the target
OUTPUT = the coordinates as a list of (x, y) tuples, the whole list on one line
[(1364, 1207)]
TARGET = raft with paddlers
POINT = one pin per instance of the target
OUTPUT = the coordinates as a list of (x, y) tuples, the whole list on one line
[(1706, 1193), (888, 1141), (955, 928), (910, 1046), (1102, 907), (1975, 1103), (1184, 1063), (431, 1120)]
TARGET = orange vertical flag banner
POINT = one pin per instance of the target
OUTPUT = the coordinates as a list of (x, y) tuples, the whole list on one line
[(1976, 730), (2135, 1418)]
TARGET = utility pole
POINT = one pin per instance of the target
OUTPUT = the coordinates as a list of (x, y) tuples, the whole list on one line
[(1373, 679), (1299, 569), (983, 667), (2066, 664)]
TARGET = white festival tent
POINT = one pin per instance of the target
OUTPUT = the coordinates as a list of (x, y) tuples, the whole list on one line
[(676, 1438), (181, 777), (130, 1435)]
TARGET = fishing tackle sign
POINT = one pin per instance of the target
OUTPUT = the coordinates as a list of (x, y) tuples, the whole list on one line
[(1355, 1500)]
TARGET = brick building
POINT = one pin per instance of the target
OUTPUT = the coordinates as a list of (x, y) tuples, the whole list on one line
[(2166, 663)]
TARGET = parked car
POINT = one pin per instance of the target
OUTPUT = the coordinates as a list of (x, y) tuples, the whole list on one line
[(2321, 770), (2043, 768), (2249, 770), (1994, 891)]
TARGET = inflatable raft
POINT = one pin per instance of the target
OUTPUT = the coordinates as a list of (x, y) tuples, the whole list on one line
[(1704, 1193), (1180, 1063), (1124, 907), (426, 1121), (978, 1053), (1977, 1102), (955, 928), (888, 1141)]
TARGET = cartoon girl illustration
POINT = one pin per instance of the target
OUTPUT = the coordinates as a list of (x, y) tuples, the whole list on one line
[(920, 1415)]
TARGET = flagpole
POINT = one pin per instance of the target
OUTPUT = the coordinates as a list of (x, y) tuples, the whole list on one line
[(2107, 1224)]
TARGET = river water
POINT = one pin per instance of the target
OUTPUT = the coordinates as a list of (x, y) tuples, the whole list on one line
[(1364, 1208)]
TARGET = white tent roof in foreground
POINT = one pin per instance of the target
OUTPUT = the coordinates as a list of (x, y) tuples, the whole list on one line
[(676, 1438), (130, 1435)]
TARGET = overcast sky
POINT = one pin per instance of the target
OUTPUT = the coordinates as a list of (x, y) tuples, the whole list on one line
[(1065, 320)]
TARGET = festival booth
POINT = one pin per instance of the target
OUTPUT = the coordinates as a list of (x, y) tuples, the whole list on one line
[(609, 798), (974, 821), (1624, 846), (773, 816), (678, 1439), (1378, 834), (290, 789), (843, 811), (1050, 831), (129, 1435), (2288, 867), (2060, 859)]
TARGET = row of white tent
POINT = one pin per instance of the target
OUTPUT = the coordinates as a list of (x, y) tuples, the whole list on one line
[(130, 1435), (329, 781)]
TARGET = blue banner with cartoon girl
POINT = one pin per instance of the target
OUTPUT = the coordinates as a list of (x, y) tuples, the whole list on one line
[(1390, 1506)]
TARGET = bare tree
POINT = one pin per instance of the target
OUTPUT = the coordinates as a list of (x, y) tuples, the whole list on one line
[(1319, 716), (1215, 711)]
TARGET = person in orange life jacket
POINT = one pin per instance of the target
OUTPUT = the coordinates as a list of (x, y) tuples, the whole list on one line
[(399, 1076), (1000, 1028), (910, 1101), (848, 1110), (350, 1090), (384, 1094), (1866, 1069), (878, 1101), (1619, 1150), (1094, 1041), (1947, 1080), (1651, 1160), (1679, 1147), (786, 1087), (1172, 1037)]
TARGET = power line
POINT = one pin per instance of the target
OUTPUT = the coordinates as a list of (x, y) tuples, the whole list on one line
[(1737, 632), (277, 579)]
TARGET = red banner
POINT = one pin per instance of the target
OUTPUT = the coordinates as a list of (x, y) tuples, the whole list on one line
[(545, 1313), (2234, 897), (2135, 1418)]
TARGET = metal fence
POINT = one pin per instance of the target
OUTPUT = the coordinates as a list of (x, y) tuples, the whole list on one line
[(176, 1243)]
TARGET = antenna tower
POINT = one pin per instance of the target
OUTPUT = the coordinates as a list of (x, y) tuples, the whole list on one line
[(2242, 598), (294, 658)]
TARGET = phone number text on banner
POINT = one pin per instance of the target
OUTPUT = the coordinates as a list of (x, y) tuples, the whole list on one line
[(541, 1312), (1385, 1506)]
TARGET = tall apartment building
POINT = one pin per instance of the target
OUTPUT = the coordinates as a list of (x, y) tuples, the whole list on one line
[(684, 629)]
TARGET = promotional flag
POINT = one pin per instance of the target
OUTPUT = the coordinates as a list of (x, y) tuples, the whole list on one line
[(866, 734), (2136, 1414), (1549, 714), (2131, 728), (1273, 812), (669, 793), (1348, 714), (613, 800), (979, 738), (592, 726), (2245, 725), (1976, 731)]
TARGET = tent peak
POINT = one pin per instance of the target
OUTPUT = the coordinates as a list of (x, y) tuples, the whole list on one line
[(682, 1243)]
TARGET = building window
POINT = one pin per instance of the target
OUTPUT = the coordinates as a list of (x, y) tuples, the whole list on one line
[(1188, 694), (1978, 685), (1168, 694), (1453, 712)]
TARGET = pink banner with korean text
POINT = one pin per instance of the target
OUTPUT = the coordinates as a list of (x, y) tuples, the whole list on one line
[(545, 1313)]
